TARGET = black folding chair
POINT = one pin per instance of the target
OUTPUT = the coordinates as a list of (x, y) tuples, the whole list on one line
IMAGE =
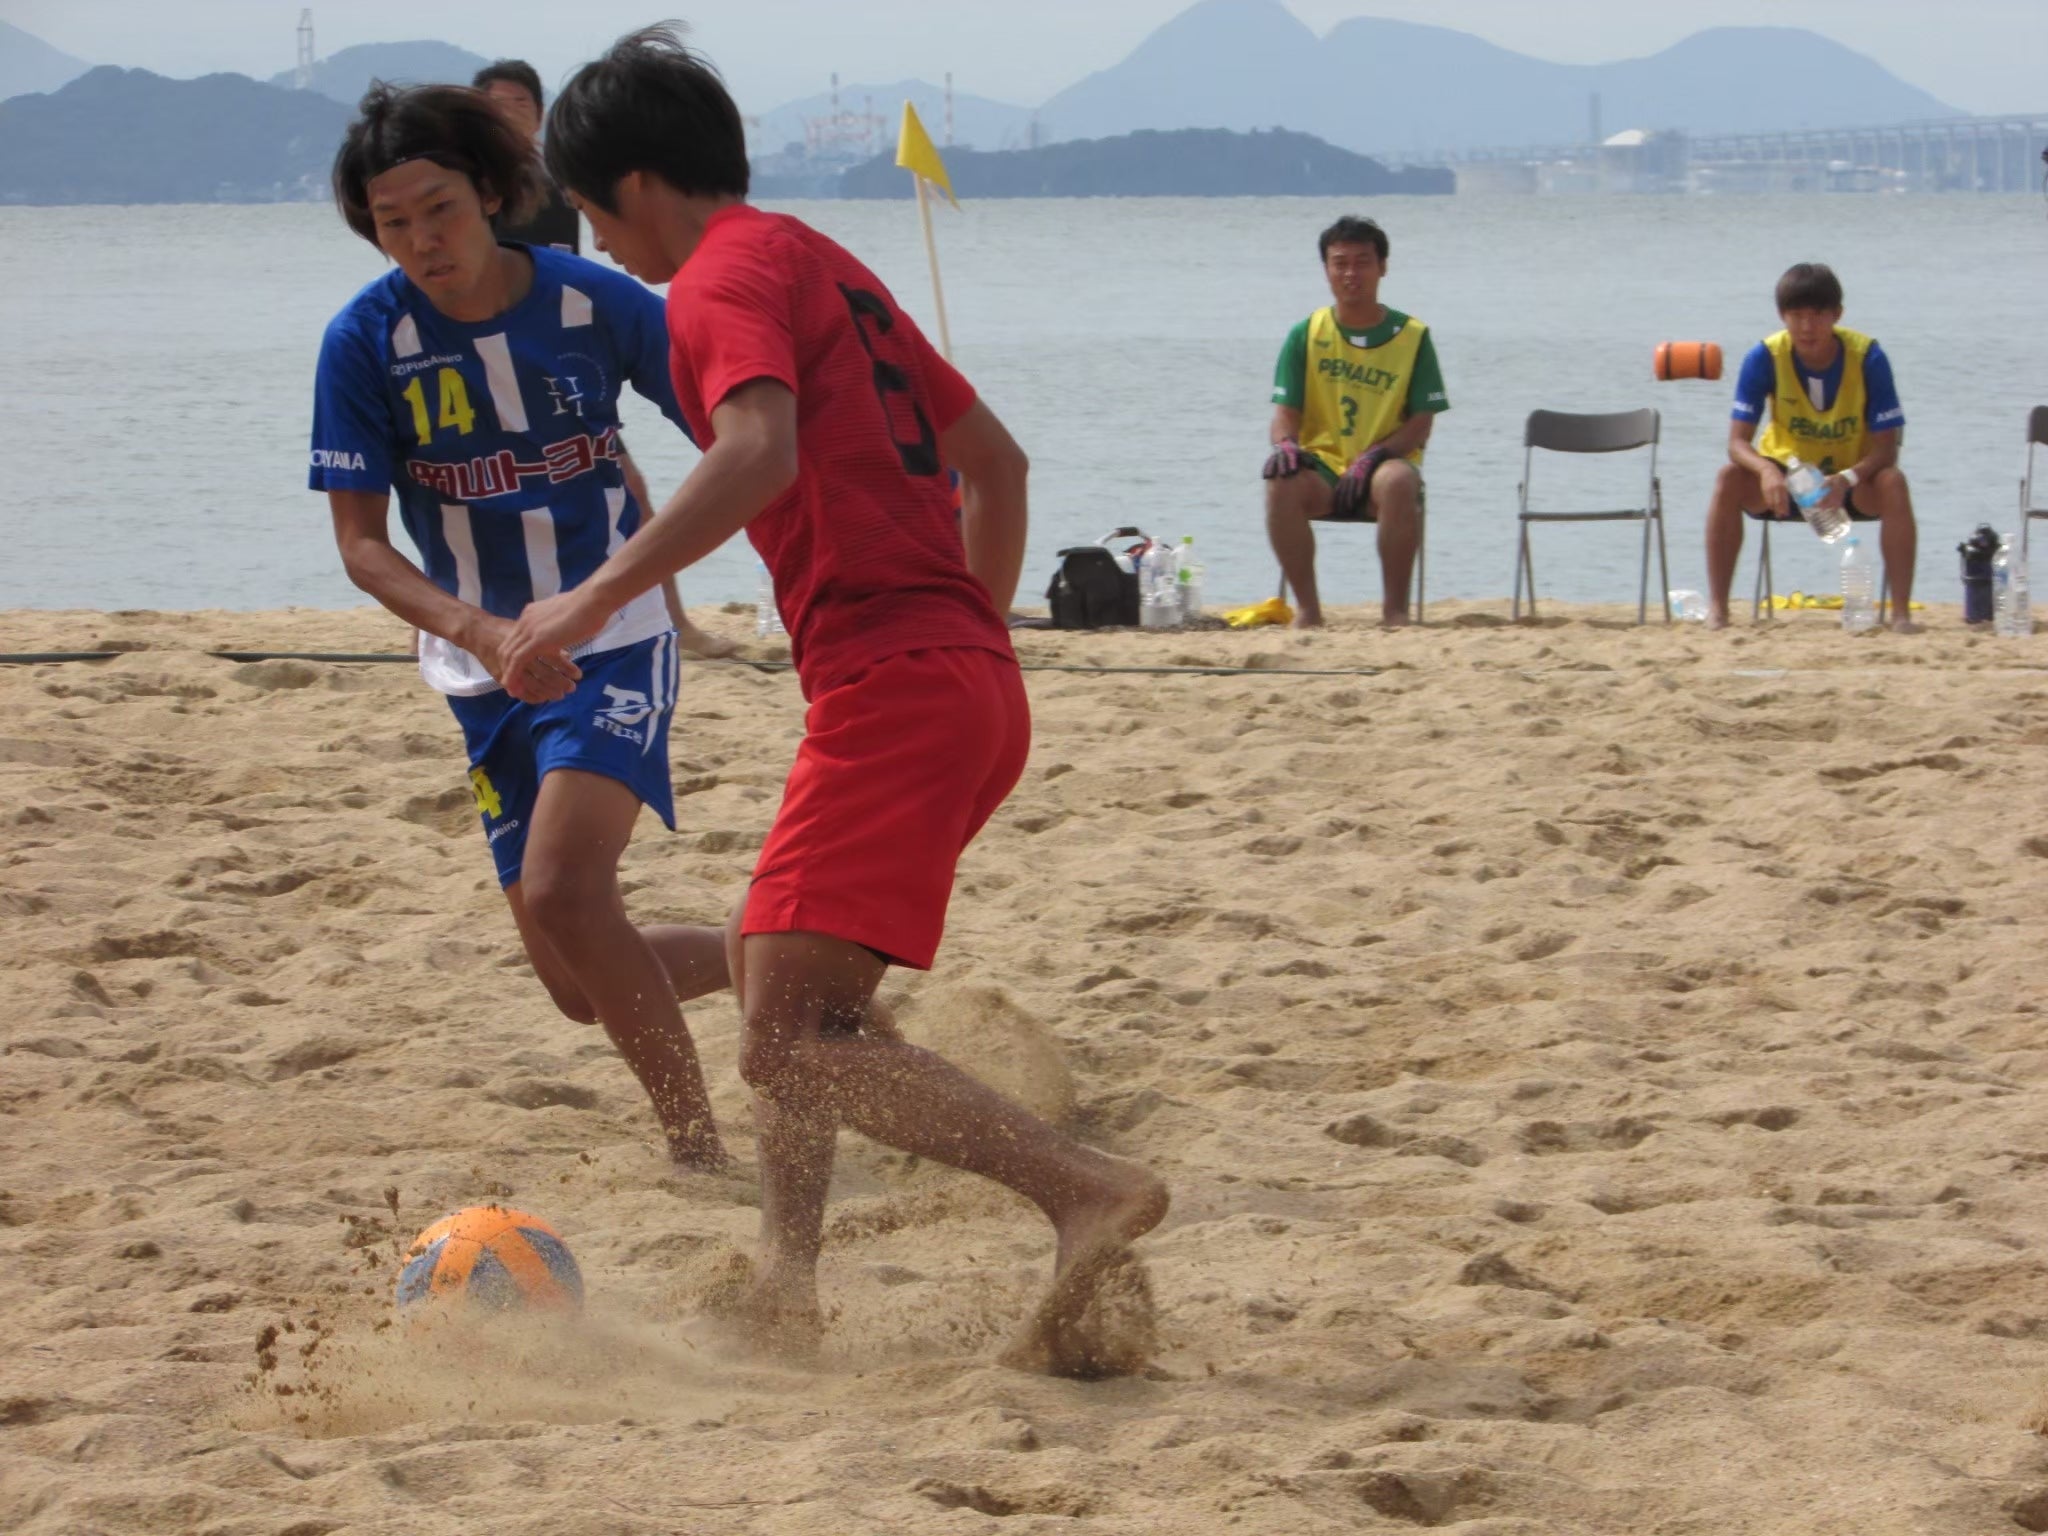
[(1611, 432), (2037, 437)]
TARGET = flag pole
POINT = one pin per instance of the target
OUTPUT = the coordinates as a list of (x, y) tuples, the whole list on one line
[(931, 250)]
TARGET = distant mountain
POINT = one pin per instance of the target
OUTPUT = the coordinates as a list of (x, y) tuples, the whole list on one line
[(1391, 86), (127, 136), (29, 64), (343, 76), (978, 123), (1190, 162)]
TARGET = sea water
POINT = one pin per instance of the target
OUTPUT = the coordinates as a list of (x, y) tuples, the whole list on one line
[(157, 380)]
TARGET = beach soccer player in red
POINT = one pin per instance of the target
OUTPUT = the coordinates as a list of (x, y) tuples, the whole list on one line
[(829, 425)]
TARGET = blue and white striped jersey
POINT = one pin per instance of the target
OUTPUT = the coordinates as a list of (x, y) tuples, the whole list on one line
[(501, 439)]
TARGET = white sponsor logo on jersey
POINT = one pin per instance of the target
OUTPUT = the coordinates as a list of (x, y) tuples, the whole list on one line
[(337, 458)]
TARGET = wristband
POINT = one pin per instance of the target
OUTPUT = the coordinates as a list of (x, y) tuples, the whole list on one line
[(1850, 476)]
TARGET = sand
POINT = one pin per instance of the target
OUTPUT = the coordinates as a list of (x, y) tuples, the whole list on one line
[(1601, 1073)]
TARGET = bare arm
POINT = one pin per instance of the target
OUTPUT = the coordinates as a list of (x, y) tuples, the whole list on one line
[(362, 533), (752, 460), (1880, 452), (1770, 474), (636, 487), (1409, 437), (1286, 425), (994, 511)]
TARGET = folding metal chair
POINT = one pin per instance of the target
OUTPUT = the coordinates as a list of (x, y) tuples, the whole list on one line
[(2037, 437), (1611, 432), (1416, 582)]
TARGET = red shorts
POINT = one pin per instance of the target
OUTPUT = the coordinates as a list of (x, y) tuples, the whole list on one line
[(900, 766)]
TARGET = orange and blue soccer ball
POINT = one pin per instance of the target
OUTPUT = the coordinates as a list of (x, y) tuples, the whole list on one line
[(493, 1257)]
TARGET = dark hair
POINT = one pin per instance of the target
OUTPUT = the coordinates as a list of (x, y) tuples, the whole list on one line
[(456, 128), (1352, 230), (650, 104), (1809, 286), (513, 72)]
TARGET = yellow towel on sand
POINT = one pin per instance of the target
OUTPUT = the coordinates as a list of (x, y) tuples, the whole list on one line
[(1783, 601), (1272, 611)]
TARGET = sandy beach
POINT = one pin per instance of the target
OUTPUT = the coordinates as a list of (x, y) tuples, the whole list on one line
[(1601, 1072)]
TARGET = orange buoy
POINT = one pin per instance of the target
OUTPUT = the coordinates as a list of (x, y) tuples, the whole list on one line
[(1688, 360)]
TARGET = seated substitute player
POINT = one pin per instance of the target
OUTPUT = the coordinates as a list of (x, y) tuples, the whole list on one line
[(481, 382), (829, 424), (1824, 395), (1355, 395)]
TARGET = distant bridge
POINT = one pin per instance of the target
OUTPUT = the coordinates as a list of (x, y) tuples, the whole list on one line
[(1959, 154)]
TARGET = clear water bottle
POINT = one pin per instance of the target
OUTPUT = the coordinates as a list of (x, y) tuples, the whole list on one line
[(1859, 587), (767, 617), (1688, 606), (1158, 587), (2011, 611), (1807, 485), (2020, 602), (1190, 575)]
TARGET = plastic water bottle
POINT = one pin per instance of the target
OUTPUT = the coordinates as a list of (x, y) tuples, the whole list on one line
[(2019, 601), (1159, 599), (1859, 587), (1807, 486), (1190, 575), (2012, 612), (767, 617), (1687, 605)]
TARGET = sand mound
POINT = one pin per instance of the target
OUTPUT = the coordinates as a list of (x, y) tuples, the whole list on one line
[(983, 1030)]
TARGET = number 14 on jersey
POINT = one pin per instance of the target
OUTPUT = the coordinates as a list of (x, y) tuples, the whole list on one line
[(455, 410)]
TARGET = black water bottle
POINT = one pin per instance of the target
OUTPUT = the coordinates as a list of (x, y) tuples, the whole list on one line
[(1978, 551)]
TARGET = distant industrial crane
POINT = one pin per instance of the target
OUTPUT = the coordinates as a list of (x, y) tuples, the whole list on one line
[(303, 79)]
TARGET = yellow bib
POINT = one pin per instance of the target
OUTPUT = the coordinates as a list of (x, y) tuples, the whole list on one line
[(1830, 440), (1352, 396)]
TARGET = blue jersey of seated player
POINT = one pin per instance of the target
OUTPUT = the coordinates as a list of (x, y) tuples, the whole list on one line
[(500, 439)]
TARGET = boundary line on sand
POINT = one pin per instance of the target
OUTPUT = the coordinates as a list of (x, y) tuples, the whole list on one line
[(47, 658)]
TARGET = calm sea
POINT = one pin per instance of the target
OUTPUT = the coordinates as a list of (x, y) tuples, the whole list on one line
[(157, 388)]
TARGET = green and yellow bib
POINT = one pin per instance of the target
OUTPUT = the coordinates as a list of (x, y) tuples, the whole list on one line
[(1352, 396), (1830, 440)]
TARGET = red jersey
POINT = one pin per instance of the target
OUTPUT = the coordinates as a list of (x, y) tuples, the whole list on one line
[(865, 547)]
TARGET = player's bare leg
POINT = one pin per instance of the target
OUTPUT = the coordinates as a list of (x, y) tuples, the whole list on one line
[(800, 993), (1291, 506), (568, 906), (1889, 497), (1397, 506), (1735, 488)]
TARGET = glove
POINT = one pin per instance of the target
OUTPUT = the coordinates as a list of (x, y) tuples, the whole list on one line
[(1354, 486), (1284, 463)]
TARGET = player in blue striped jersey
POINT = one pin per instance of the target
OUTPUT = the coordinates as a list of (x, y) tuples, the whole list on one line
[(481, 382)]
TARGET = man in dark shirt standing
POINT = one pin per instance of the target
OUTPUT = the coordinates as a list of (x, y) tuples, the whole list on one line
[(514, 85)]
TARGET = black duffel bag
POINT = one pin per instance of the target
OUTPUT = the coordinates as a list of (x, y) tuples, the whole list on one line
[(1090, 590)]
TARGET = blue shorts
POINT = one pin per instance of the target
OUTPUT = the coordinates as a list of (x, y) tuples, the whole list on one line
[(615, 723)]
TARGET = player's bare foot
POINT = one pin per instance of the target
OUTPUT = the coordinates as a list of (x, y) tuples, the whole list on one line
[(1098, 1319), (1395, 620), (1306, 620), (1905, 627), (696, 1151), (700, 642), (1717, 618), (768, 1314)]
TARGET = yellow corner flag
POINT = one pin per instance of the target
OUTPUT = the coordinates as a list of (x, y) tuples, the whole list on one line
[(916, 153)]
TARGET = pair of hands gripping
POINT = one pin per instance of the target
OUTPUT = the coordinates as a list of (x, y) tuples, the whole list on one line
[(1354, 486)]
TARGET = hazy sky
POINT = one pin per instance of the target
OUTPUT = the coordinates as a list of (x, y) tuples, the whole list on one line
[(1979, 55)]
